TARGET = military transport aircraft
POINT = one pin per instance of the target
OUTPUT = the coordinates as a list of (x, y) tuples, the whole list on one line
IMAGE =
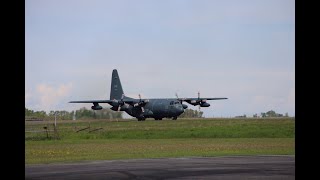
[(145, 108)]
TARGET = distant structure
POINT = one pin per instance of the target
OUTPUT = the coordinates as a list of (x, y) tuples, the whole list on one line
[(244, 116), (74, 115)]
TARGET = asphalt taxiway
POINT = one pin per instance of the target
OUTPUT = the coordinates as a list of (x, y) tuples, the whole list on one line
[(231, 167)]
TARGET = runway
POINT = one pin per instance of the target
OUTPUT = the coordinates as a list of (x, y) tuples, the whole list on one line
[(231, 167)]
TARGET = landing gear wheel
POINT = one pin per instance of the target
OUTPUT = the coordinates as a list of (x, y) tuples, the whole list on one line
[(174, 118)]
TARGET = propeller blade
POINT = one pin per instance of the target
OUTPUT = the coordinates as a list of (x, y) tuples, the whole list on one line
[(198, 94), (126, 105), (119, 107), (140, 97), (177, 95), (142, 109)]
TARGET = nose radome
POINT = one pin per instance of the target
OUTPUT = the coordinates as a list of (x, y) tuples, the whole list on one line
[(180, 109), (184, 106)]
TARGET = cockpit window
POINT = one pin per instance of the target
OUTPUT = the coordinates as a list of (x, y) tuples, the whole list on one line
[(171, 102), (176, 102)]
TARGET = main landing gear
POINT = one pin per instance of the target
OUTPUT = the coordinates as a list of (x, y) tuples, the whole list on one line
[(141, 119)]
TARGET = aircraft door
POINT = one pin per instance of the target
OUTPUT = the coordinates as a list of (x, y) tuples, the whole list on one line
[(166, 109)]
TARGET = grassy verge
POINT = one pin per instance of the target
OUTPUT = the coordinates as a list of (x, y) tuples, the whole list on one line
[(70, 151), (159, 139), (167, 129)]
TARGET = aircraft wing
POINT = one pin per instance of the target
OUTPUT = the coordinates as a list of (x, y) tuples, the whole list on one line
[(92, 101), (195, 99), (104, 101)]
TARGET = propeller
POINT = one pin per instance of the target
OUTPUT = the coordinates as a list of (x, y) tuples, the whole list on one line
[(178, 98), (120, 103), (202, 102), (142, 108), (199, 99), (181, 100), (139, 103)]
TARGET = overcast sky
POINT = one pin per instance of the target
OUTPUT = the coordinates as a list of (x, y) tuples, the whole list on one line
[(240, 49)]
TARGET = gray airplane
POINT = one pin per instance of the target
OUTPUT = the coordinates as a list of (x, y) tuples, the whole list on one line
[(146, 108)]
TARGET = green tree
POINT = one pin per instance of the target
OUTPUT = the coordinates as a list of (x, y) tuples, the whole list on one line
[(28, 112), (271, 113), (105, 113), (189, 113)]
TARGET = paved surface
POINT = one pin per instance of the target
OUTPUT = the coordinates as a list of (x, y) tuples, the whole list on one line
[(233, 167)]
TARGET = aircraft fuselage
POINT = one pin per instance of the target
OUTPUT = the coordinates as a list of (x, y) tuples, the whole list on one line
[(158, 109)]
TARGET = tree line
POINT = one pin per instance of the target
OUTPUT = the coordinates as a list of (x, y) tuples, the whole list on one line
[(84, 113), (271, 113)]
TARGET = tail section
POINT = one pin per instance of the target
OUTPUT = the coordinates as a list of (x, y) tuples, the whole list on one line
[(116, 88)]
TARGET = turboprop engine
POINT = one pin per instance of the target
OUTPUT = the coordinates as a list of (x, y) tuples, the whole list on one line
[(204, 104), (96, 107)]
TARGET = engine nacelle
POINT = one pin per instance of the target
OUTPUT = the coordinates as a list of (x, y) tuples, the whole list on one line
[(199, 102), (115, 103), (193, 102), (97, 107), (204, 104), (184, 106), (125, 107)]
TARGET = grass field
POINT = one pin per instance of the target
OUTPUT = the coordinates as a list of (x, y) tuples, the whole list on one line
[(157, 139)]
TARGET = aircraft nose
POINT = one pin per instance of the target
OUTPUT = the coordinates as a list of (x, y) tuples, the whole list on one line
[(180, 109)]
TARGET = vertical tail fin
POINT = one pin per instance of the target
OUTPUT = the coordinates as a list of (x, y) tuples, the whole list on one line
[(116, 88)]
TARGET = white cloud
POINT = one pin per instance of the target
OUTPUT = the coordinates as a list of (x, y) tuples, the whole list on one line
[(46, 97)]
